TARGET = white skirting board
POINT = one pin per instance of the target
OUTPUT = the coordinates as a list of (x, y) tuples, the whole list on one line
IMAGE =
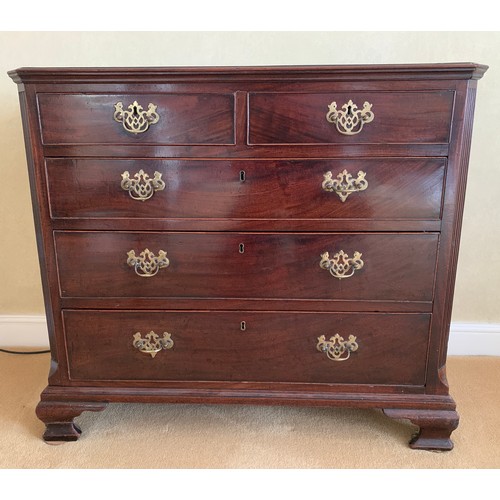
[(482, 339)]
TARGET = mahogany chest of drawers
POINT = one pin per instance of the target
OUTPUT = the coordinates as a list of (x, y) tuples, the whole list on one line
[(260, 235)]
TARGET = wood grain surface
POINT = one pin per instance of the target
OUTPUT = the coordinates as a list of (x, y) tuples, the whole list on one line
[(398, 188), (274, 347), (184, 119), (399, 117), (398, 267)]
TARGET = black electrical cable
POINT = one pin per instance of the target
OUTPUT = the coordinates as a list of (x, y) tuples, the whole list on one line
[(23, 352)]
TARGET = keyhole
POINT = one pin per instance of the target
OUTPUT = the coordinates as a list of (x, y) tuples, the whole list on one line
[(242, 176), (243, 326), (242, 248), (134, 109), (349, 110)]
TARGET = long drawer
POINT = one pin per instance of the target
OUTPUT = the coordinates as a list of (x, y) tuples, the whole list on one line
[(190, 118), (386, 188), (355, 266), (350, 117), (249, 346)]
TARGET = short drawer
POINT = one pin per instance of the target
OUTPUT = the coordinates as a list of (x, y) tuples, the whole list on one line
[(145, 118), (388, 117), (247, 346), (359, 266), (385, 188)]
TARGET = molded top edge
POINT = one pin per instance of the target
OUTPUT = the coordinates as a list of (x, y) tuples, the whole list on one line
[(184, 73)]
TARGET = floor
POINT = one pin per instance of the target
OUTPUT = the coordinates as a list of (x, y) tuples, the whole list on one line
[(235, 437)]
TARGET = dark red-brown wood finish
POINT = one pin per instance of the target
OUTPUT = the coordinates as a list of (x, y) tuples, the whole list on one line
[(247, 265), (236, 346), (249, 190), (241, 307)]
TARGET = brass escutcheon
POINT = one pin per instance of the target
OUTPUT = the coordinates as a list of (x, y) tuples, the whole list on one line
[(141, 187), (152, 343), (147, 264), (344, 184), (135, 119), (341, 265), (350, 120), (336, 348)]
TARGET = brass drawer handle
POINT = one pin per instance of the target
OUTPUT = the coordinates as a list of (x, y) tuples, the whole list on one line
[(147, 264), (141, 186), (152, 343), (336, 348), (350, 120), (341, 265), (344, 184), (135, 119)]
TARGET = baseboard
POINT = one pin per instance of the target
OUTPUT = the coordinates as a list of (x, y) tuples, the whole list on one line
[(480, 339), (23, 331)]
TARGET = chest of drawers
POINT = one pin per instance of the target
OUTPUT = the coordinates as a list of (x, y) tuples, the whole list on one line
[(279, 235)]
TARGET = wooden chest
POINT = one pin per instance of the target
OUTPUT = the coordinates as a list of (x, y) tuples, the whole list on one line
[(261, 235)]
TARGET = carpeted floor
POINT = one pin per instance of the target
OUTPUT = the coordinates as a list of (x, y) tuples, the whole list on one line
[(190, 436)]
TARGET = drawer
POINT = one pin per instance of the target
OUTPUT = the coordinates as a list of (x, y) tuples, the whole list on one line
[(274, 347), (177, 118), (394, 117), (397, 188), (397, 267)]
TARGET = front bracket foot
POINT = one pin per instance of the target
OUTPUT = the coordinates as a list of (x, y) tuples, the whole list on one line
[(58, 418), (435, 426)]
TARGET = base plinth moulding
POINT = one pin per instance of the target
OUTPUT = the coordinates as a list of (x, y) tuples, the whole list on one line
[(58, 408)]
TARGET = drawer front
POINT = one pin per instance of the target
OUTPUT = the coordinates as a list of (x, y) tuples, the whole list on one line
[(385, 188), (394, 117), (396, 267), (274, 347), (177, 119)]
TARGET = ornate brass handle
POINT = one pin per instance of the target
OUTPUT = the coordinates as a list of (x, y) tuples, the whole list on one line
[(147, 264), (350, 120), (344, 184), (341, 265), (336, 348), (135, 119), (152, 343), (141, 186)]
